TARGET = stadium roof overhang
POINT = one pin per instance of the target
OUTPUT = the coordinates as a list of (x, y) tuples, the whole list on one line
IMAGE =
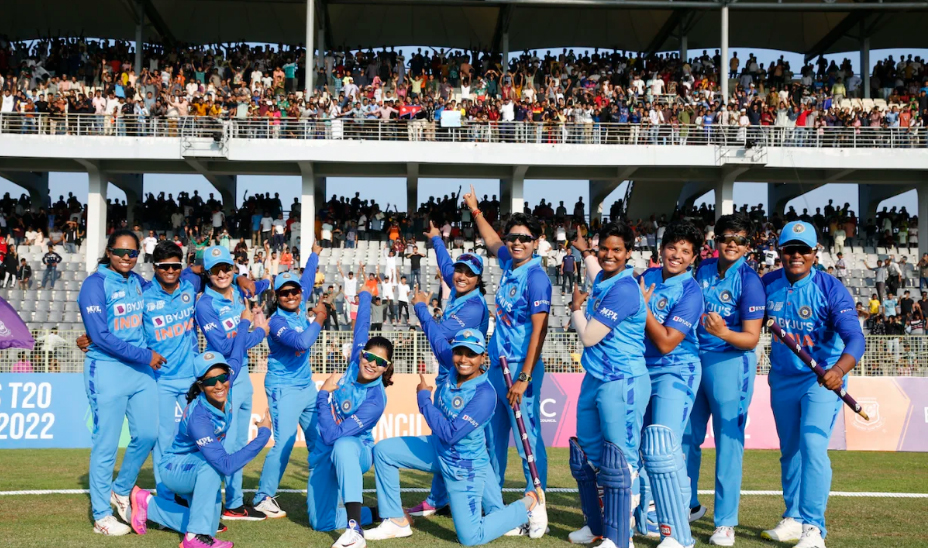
[(804, 26)]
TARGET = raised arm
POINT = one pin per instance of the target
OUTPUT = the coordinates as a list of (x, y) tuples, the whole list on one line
[(490, 238), (308, 279), (362, 325)]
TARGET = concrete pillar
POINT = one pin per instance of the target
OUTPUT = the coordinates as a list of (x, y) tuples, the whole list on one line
[(412, 188), (227, 185), (650, 198), (724, 198), (308, 207), (865, 59), (310, 60), (513, 190), (132, 185), (599, 190), (922, 219), (683, 48), (95, 240), (505, 48), (35, 183), (692, 191), (723, 70), (139, 38), (869, 198)]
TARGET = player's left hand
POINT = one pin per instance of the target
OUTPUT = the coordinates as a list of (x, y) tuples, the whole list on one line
[(515, 393), (646, 291), (317, 249), (330, 383), (832, 379), (247, 285), (423, 384), (715, 324), (83, 343), (579, 297)]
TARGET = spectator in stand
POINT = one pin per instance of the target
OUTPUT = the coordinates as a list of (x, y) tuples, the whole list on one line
[(889, 306), (923, 273), (51, 261), (881, 274), (148, 244), (24, 274), (415, 265)]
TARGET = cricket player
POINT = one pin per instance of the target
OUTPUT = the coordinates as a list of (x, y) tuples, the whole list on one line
[(818, 311)]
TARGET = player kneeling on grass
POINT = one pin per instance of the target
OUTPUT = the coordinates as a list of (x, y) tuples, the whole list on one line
[(614, 391), (818, 311), (457, 450), (195, 464), (344, 448)]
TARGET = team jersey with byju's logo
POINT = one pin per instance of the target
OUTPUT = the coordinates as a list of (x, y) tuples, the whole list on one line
[(170, 327), (522, 292), (676, 303), (203, 427), (462, 312), (219, 317), (819, 313), (291, 337), (353, 408), (618, 304), (737, 297), (111, 309)]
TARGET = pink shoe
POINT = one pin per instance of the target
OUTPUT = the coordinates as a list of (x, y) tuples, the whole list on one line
[(138, 501), (422, 510), (204, 541)]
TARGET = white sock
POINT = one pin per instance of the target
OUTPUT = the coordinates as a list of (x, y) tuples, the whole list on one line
[(528, 501), (189, 536)]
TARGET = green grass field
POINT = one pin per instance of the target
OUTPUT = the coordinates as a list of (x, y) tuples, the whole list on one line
[(64, 520)]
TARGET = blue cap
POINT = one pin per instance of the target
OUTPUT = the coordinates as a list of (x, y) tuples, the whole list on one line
[(472, 261), (798, 231), (471, 338), (216, 254), (206, 361), (286, 278)]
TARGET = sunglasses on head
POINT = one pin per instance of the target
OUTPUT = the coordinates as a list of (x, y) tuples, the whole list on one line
[(521, 238), (728, 238), (794, 249), (169, 266), (220, 269), (122, 252), (376, 360), (213, 381), (289, 292)]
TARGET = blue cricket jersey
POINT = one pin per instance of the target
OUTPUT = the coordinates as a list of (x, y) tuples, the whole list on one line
[(676, 303), (203, 427), (462, 311), (111, 309), (291, 337), (737, 297), (354, 408), (618, 304), (522, 292), (170, 326), (819, 312), (219, 317)]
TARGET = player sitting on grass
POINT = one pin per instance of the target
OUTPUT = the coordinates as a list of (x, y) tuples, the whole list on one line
[(456, 450), (195, 464)]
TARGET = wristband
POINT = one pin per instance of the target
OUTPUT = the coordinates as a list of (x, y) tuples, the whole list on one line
[(476, 212)]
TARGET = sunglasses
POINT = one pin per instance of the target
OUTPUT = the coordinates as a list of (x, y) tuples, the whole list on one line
[(169, 266), (794, 249), (213, 381), (728, 238), (293, 292), (376, 360), (220, 269), (122, 252), (521, 238)]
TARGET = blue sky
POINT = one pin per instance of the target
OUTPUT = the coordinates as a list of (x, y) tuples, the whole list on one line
[(393, 190)]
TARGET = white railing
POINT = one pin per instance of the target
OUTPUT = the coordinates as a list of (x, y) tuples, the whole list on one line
[(347, 128), (885, 355)]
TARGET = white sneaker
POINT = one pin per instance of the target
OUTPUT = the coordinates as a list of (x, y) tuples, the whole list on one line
[(697, 513), (121, 504), (788, 530), (269, 507), (111, 527), (811, 537), (670, 542), (538, 519), (723, 536), (351, 538), (520, 531), (582, 536), (607, 543), (388, 529)]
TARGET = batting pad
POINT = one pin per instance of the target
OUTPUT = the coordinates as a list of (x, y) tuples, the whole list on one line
[(582, 471), (615, 475), (663, 460)]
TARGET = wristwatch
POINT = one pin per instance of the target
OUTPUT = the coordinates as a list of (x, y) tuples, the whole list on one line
[(524, 378)]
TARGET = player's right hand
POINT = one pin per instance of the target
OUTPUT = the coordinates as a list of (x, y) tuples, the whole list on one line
[(432, 231), (419, 297), (423, 384), (157, 360), (646, 291), (83, 343), (579, 297), (265, 421), (330, 384), (470, 199)]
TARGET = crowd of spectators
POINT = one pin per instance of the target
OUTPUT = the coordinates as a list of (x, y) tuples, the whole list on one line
[(660, 97)]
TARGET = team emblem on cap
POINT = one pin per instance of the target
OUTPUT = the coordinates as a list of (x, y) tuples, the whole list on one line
[(467, 334), (725, 296), (286, 275), (216, 252), (208, 356), (662, 304), (457, 402), (798, 228), (805, 312)]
